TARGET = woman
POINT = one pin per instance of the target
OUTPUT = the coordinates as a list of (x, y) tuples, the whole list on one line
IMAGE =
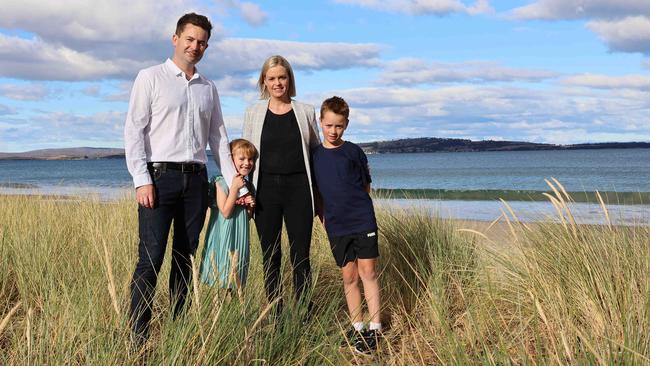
[(283, 131)]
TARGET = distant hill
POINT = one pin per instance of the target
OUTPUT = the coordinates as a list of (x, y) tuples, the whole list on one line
[(423, 144), (74, 153), (434, 144)]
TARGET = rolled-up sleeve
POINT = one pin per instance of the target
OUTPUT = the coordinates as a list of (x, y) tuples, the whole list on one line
[(138, 118)]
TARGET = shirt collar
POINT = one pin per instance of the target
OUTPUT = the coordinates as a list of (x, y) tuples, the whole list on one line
[(178, 72)]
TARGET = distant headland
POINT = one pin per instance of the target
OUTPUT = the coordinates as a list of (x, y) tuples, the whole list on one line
[(413, 145)]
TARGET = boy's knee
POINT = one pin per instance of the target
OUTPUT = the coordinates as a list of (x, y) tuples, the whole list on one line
[(350, 278), (367, 274)]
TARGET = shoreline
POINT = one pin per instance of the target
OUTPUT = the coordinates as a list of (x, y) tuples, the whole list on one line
[(480, 211), (420, 194)]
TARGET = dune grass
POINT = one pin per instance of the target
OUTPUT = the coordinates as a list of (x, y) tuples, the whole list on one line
[(543, 294)]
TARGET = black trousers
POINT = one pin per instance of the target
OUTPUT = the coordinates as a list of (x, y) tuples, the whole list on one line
[(181, 198), (285, 197)]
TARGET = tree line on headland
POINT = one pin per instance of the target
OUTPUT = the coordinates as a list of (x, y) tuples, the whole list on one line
[(434, 144)]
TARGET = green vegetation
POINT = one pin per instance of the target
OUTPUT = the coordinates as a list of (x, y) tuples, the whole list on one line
[(540, 294), (624, 198)]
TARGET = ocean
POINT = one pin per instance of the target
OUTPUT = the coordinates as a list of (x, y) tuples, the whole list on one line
[(610, 170)]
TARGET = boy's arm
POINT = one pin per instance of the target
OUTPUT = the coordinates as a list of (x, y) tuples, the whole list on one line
[(367, 188)]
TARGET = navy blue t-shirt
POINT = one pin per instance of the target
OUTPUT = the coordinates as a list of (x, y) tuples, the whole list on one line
[(341, 175)]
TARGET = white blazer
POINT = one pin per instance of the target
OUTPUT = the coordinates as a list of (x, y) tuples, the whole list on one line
[(306, 117)]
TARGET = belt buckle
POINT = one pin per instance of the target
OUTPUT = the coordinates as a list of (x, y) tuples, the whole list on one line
[(190, 167)]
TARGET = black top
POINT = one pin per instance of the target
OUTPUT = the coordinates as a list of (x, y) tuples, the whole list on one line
[(280, 145), (342, 175)]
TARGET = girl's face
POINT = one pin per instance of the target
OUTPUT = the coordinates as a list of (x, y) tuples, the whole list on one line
[(244, 163)]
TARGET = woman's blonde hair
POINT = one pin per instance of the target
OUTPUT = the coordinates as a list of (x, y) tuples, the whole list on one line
[(270, 62), (246, 147)]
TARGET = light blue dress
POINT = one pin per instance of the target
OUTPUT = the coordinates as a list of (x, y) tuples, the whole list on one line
[(223, 239)]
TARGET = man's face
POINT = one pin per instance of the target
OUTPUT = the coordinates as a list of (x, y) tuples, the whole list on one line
[(190, 45)]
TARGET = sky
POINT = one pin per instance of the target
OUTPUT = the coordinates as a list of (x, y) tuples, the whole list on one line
[(553, 71)]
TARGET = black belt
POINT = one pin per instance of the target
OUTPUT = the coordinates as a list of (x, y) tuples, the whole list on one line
[(183, 167)]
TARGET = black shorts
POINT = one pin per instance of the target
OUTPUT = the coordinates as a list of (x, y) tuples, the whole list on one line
[(348, 248)]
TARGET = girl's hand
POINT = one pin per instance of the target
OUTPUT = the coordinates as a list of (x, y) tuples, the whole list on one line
[(238, 182)]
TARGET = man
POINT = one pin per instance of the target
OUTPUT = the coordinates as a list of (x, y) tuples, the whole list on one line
[(174, 112)]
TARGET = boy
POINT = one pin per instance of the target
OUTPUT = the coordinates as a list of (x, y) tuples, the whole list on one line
[(343, 179)]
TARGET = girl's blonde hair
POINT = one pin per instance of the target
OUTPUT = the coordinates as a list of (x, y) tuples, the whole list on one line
[(270, 62), (245, 146)]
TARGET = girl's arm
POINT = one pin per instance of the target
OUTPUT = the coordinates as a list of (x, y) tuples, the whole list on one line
[(226, 202)]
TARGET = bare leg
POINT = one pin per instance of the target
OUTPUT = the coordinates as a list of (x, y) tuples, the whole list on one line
[(352, 292), (368, 276)]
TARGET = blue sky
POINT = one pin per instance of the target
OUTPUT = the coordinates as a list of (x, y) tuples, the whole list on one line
[(556, 71)]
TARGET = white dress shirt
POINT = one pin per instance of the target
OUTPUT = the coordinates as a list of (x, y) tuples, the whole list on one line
[(172, 119)]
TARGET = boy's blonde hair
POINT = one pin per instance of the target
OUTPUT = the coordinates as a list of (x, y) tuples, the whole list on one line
[(246, 146), (270, 62)]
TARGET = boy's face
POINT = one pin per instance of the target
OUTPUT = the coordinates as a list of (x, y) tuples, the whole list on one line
[(333, 126), (244, 164)]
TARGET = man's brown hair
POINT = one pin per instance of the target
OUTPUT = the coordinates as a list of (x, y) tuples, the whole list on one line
[(194, 19), (336, 105)]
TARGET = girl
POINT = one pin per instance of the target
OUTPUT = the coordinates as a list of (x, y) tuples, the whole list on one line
[(226, 252)]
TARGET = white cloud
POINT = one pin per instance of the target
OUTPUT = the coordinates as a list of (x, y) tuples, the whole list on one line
[(423, 7), (623, 25), (416, 71), (5, 110), (252, 13), (24, 91), (102, 28), (79, 21), (34, 59), (65, 130), (640, 82), (246, 55), (630, 34), (581, 9), (555, 115), (646, 64), (91, 91)]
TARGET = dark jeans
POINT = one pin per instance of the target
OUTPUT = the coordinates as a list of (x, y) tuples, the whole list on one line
[(181, 198), (285, 197)]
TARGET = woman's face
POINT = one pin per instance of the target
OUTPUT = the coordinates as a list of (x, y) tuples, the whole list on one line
[(276, 81)]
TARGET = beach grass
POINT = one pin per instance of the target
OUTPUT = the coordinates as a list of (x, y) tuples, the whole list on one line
[(544, 293)]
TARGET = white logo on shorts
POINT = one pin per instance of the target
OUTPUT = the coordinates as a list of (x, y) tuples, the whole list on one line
[(372, 234)]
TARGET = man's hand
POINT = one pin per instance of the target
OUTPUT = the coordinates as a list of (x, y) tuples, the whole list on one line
[(145, 195)]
